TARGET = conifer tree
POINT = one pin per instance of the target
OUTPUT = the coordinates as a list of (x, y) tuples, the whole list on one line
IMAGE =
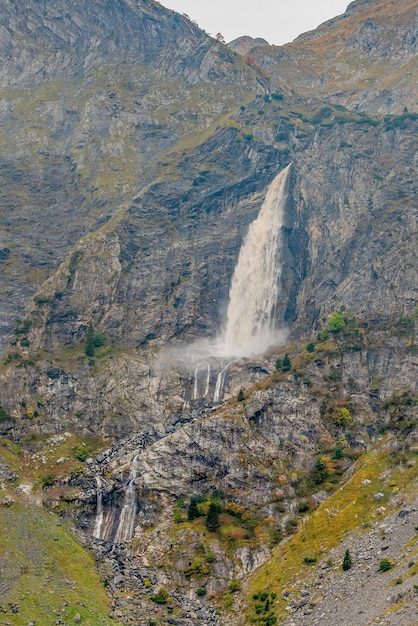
[(347, 562), (192, 510), (212, 518), (287, 364)]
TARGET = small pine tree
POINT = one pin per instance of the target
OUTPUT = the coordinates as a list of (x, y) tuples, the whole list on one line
[(192, 510), (347, 562), (287, 364), (212, 518), (241, 396), (279, 364), (99, 339)]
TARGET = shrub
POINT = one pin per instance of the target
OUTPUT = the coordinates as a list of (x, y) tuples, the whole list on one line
[(234, 585), (228, 601), (80, 452), (47, 480), (210, 557), (385, 565), (310, 347), (23, 327), (161, 597), (303, 506), (336, 322), (344, 416), (347, 562), (72, 265), (201, 591), (309, 560)]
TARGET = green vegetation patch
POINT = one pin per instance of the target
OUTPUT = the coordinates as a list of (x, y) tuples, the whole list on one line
[(47, 573)]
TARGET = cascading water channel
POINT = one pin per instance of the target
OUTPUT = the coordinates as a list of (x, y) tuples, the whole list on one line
[(196, 373), (207, 381), (220, 383), (126, 524), (99, 510), (250, 321)]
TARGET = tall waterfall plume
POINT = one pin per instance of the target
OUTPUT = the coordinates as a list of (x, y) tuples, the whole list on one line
[(251, 324), (250, 321)]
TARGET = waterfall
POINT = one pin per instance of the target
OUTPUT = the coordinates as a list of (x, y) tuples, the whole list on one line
[(207, 381), (251, 324), (220, 383), (250, 321), (196, 373), (127, 517), (99, 510), (196, 382)]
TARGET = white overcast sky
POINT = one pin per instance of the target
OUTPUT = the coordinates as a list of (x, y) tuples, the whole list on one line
[(278, 21)]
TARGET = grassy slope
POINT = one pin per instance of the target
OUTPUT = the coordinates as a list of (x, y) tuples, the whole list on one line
[(45, 573), (49, 575), (350, 507)]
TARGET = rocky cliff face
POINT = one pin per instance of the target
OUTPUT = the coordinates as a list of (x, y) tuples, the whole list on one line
[(90, 96), (150, 148)]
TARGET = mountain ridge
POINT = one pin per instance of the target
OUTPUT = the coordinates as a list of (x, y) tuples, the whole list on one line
[(130, 178)]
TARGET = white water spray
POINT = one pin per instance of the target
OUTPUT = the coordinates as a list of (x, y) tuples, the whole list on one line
[(250, 324), (126, 524)]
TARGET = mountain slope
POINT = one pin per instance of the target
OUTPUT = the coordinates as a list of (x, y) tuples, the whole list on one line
[(365, 59), (136, 152), (90, 96)]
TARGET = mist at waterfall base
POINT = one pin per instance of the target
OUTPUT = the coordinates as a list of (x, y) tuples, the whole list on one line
[(250, 326)]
